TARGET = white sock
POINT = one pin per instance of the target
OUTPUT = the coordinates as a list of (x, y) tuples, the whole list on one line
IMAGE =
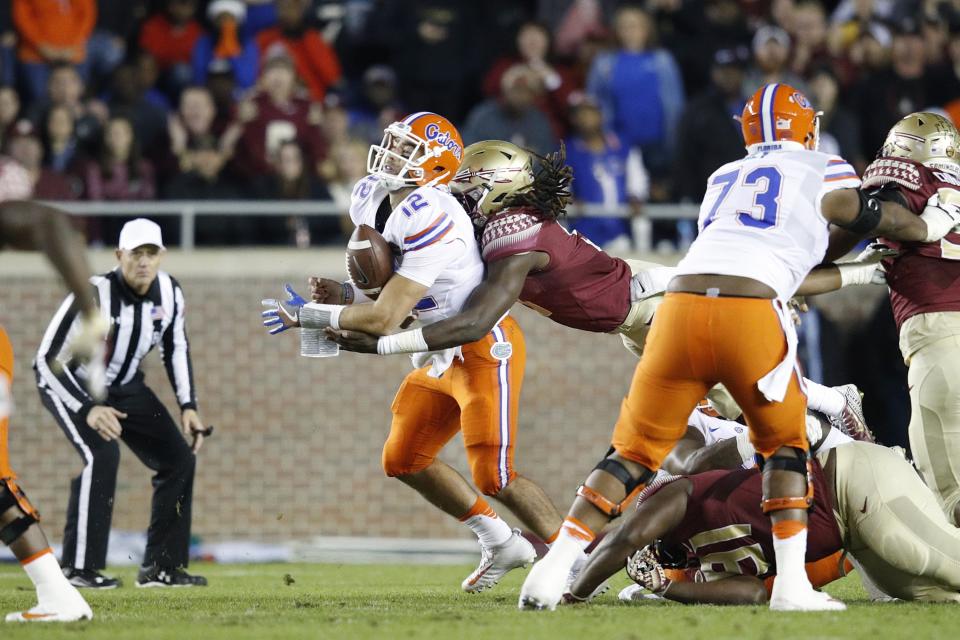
[(826, 400), (791, 556), (45, 570), (490, 528)]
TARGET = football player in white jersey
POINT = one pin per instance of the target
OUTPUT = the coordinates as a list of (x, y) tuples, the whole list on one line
[(764, 224), (474, 389)]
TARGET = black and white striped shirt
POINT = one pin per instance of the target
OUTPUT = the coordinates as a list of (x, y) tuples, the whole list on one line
[(137, 324)]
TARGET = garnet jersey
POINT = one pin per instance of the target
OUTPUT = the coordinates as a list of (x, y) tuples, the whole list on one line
[(727, 532), (925, 277), (582, 287), (433, 237), (760, 217)]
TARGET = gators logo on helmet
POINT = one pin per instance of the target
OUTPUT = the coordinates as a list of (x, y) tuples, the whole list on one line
[(777, 112), (423, 149)]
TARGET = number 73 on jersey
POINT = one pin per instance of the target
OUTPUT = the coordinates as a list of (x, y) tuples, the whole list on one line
[(754, 199)]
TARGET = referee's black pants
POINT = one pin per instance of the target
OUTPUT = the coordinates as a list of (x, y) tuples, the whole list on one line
[(155, 438)]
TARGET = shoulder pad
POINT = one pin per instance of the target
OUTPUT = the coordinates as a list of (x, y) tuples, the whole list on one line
[(508, 228), (893, 170)]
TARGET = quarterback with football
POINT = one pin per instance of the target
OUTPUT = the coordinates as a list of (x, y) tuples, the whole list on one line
[(473, 389)]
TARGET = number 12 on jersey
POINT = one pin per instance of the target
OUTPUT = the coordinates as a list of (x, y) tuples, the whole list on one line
[(760, 186)]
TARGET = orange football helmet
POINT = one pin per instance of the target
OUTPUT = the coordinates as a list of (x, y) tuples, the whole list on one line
[(423, 149), (778, 112)]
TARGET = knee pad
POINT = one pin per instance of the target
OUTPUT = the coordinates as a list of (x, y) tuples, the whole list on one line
[(632, 486), (12, 497), (802, 465)]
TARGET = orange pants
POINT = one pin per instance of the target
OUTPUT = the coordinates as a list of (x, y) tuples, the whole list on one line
[(478, 397), (7, 476), (695, 342)]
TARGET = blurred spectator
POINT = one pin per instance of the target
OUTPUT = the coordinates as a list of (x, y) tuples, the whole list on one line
[(809, 30), (315, 61), (25, 147), (532, 48), (51, 32), (514, 116), (9, 111), (61, 148), (849, 12), (714, 25), (575, 21), (346, 164), (274, 114), (66, 89), (170, 36), (201, 174), (148, 76), (377, 106), (117, 21), (223, 88), (8, 43), (709, 134), (435, 48), (839, 127), (640, 89), (119, 172), (608, 174), (771, 53), (127, 100), (867, 54), (888, 95), (228, 42), (292, 179)]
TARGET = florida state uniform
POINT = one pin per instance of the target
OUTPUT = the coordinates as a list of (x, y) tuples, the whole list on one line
[(924, 281)]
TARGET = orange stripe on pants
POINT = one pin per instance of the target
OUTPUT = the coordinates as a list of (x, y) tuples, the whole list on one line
[(479, 397), (695, 342), (6, 367)]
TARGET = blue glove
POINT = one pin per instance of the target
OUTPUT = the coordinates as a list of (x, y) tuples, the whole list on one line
[(281, 316)]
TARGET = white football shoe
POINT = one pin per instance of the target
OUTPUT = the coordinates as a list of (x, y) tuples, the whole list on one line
[(575, 571), (59, 604), (495, 562), (798, 598), (547, 581)]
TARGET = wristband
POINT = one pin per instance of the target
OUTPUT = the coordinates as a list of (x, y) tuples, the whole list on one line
[(347, 292), (855, 274), (745, 447), (319, 316), (403, 342), (867, 218)]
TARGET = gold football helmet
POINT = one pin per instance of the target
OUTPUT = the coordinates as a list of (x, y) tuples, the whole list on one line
[(491, 170), (927, 138)]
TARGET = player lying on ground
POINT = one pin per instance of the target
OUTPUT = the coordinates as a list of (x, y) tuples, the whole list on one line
[(763, 226), (474, 389), (533, 259), (31, 226), (868, 500)]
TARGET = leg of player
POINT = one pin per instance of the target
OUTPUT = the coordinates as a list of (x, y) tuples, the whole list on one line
[(529, 502), (57, 599)]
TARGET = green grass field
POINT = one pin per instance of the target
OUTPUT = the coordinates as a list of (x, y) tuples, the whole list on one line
[(398, 601)]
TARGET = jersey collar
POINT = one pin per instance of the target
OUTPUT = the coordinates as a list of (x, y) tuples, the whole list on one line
[(782, 145)]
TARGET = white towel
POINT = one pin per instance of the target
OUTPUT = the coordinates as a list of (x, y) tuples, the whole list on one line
[(774, 384)]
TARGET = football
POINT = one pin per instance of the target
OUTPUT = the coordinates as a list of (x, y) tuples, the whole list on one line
[(369, 260)]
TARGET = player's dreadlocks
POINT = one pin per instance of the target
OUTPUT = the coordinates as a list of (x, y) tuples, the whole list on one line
[(550, 192)]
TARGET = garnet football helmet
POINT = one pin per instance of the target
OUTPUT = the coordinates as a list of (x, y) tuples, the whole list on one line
[(491, 170), (927, 138), (776, 113), (424, 149)]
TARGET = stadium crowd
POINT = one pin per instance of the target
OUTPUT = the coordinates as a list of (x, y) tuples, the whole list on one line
[(280, 99)]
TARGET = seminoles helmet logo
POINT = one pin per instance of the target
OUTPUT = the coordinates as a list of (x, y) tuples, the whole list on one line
[(776, 113), (423, 149)]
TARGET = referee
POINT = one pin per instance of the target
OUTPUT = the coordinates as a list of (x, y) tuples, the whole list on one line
[(145, 308)]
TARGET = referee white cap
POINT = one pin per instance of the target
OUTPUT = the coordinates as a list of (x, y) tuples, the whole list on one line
[(139, 232)]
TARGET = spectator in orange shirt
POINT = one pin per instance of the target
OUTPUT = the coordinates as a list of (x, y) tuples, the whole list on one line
[(316, 62), (170, 36), (51, 31)]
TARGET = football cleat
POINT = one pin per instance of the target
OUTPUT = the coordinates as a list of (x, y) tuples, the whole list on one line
[(495, 562), (575, 571), (154, 576), (852, 421), (547, 581), (57, 604), (89, 579)]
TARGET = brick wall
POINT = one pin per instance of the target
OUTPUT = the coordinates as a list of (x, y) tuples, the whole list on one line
[(297, 447)]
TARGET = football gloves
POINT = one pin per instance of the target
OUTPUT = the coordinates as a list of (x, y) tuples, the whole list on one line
[(644, 568), (282, 315)]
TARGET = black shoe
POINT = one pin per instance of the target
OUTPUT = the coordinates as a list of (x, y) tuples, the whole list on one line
[(89, 579), (154, 576)]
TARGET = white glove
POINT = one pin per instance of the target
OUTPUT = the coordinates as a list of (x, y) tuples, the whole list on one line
[(814, 430), (866, 267), (941, 214), (644, 569), (89, 347)]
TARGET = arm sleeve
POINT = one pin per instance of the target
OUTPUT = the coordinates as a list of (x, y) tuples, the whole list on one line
[(175, 351), (51, 367)]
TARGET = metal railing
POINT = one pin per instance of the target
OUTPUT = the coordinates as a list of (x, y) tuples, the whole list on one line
[(188, 210)]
